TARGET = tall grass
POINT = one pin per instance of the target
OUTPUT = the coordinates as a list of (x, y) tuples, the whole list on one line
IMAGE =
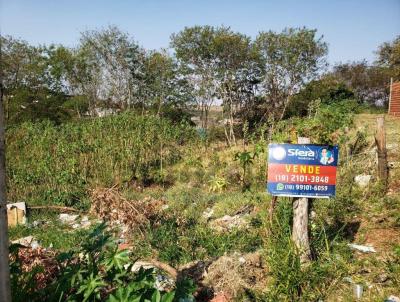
[(49, 164), (291, 281)]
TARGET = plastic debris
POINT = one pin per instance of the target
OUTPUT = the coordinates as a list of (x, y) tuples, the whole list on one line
[(362, 248), (362, 180), (358, 291)]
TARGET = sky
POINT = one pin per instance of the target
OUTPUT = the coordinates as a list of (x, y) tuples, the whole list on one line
[(353, 29)]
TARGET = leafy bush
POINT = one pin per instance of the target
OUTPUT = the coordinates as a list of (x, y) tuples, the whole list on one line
[(329, 90), (97, 271), (324, 127)]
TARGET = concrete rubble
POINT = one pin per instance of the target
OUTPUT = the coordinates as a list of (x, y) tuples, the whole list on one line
[(228, 223), (73, 221), (28, 241), (67, 218)]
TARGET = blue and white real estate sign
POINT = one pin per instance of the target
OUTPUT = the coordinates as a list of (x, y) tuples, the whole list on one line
[(297, 170)]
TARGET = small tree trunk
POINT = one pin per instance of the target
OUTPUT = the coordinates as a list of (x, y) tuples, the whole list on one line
[(5, 291), (380, 140), (300, 222)]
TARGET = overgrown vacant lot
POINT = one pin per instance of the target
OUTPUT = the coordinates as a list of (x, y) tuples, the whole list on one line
[(193, 209)]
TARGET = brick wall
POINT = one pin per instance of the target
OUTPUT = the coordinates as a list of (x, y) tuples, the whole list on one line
[(394, 106)]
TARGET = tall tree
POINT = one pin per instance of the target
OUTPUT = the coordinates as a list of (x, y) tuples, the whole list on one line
[(389, 57), (31, 91), (194, 50), (368, 82), (236, 70), (290, 59), (164, 86), (116, 64)]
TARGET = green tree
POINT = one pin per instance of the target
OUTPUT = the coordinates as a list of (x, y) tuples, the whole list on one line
[(194, 49), (236, 64), (116, 64), (167, 93), (389, 57), (368, 82), (31, 90), (290, 59)]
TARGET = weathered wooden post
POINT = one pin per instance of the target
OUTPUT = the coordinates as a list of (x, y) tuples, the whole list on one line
[(5, 291), (300, 221), (380, 140)]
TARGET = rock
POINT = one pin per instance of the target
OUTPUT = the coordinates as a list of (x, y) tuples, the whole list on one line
[(35, 245), (76, 226), (138, 264), (195, 270), (208, 213), (362, 248), (362, 180), (163, 282), (228, 223), (85, 223), (67, 218), (36, 223), (28, 241), (381, 278), (392, 299)]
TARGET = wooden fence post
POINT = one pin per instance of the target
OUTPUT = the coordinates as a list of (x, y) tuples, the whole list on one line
[(380, 140), (300, 221)]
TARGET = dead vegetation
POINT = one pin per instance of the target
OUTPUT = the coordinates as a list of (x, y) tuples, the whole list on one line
[(39, 260), (110, 206)]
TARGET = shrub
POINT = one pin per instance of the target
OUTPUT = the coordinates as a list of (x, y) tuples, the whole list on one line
[(58, 164), (324, 127), (97, 271)]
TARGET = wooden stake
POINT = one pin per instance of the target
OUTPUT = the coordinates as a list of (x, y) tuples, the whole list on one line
[(272, 208), (300, 221), (380, 140)]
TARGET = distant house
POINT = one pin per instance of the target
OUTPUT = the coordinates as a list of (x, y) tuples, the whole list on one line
[(394, 100)]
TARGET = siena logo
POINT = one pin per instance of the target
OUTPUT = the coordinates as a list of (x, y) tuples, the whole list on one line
[(303, 153)]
